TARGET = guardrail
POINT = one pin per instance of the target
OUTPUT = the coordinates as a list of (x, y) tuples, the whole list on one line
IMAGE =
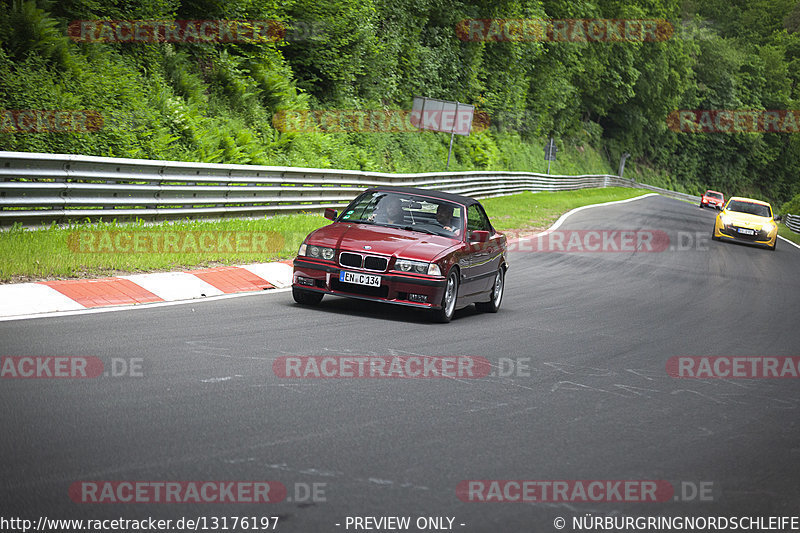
[(42, 188), (667, 192), (792, 222)]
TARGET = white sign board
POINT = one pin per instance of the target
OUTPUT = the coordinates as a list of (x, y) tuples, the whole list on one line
[(441, 115)]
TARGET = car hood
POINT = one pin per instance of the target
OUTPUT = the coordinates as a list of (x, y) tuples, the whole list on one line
[(744, 220), (382, 241)]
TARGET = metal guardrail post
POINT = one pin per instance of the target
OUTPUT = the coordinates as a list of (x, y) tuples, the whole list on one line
[(792, 222)]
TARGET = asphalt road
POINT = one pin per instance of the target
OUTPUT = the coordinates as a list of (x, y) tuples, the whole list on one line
[(589, 398)]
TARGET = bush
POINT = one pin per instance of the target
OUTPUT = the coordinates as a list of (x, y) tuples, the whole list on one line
[(792, 207)]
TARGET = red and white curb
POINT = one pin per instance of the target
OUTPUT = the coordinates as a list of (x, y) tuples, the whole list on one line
[(26, 299)]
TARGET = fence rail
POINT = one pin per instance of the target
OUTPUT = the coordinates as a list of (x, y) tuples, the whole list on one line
[(792, 222), (666, 192), (42, 188)]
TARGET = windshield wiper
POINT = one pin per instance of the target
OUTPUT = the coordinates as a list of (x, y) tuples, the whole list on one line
[(421, 230)]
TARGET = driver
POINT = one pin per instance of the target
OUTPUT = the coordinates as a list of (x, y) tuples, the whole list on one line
[(444, 216), (393, 210)]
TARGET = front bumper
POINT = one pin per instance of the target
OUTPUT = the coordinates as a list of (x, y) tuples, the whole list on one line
[(760, 238), (396, 288)]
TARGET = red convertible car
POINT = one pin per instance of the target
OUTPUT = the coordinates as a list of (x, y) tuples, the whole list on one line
[(413, 247)]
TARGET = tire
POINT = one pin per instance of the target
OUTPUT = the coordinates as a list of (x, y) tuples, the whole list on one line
[(306, 297), (448, 304), (701, 205), (493, 305)]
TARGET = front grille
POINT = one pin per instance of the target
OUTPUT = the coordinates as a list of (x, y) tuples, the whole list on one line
[(372, 262), (350, 260), (368, 262)]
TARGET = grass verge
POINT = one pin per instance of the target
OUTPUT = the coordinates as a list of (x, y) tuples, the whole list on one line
[(786, 233), (108, 249), (96, 250)]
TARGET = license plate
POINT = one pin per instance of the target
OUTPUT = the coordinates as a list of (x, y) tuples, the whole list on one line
[(358, 278), (746, 231)]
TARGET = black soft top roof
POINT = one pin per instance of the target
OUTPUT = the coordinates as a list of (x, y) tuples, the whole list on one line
[(450, 197)]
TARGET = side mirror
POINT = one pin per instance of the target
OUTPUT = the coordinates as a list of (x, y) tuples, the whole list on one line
[(330, 214), (479, 236), (778, 218)]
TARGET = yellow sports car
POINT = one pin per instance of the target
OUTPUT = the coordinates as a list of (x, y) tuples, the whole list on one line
[(746, 220)]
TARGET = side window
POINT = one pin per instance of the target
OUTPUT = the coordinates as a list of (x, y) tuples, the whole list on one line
[(477, 219)]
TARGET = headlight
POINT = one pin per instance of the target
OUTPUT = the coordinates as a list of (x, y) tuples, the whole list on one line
[(724, 220), (769, 228), (417, 267), (317, 252)]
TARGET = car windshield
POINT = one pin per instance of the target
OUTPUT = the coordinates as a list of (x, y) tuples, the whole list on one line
[(407, 211), (716, 195), (750, 208)]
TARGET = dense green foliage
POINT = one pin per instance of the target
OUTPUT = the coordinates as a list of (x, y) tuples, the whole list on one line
[(216, 102), (792, 206)]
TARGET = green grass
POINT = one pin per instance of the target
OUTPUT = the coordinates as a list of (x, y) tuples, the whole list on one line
[(786, 233), (93, 250), (90, 250)]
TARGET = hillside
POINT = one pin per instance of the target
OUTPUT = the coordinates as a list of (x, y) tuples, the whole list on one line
[(214, 97)]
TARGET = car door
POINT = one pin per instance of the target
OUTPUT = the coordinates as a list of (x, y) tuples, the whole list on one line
[(483, 257)]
